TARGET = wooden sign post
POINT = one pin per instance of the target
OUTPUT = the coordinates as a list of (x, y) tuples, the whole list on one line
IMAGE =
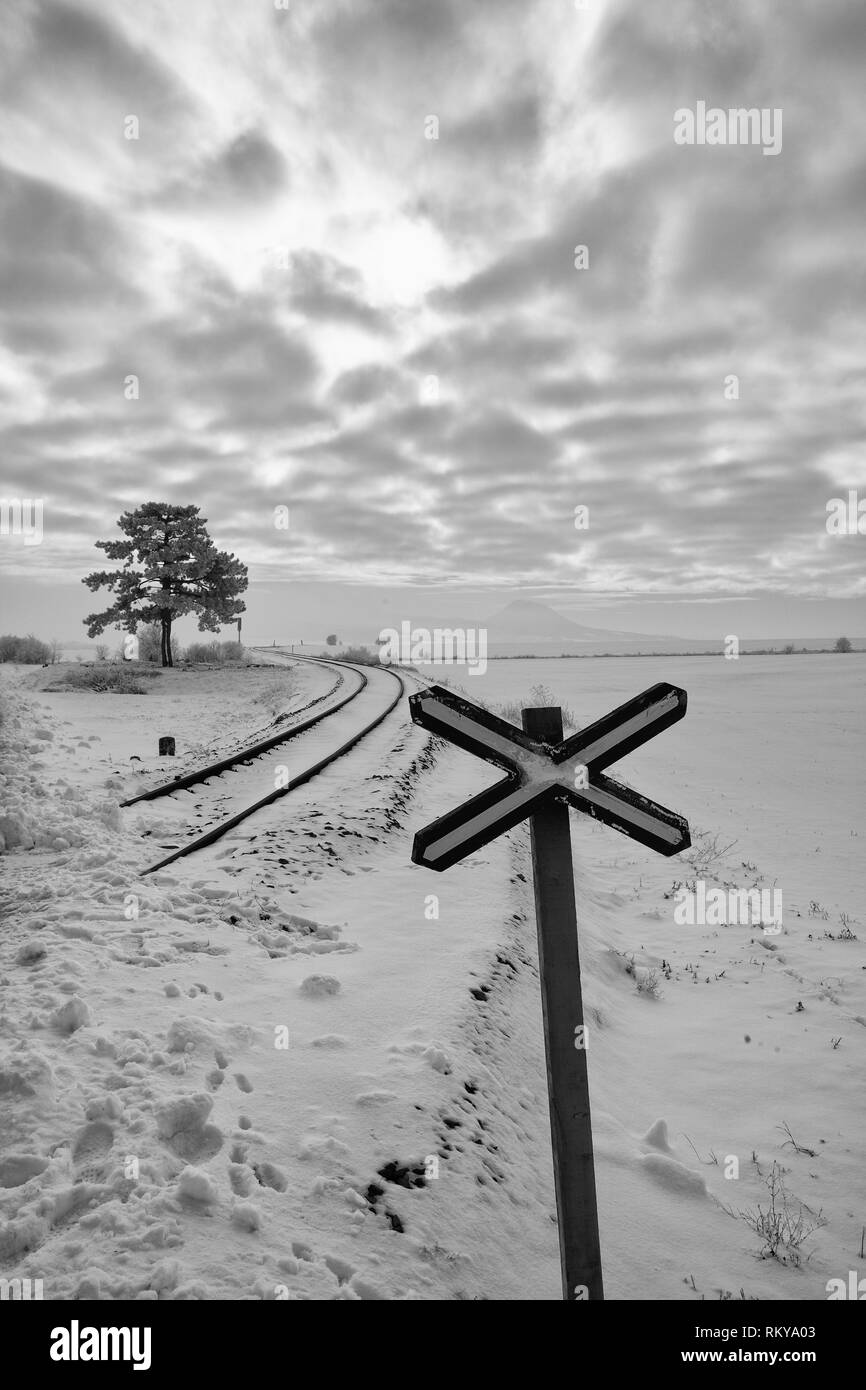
[(564, 1034), (546, 774)]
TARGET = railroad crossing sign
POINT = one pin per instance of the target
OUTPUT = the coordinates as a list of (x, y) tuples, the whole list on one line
[(545, 775), (570, 770)]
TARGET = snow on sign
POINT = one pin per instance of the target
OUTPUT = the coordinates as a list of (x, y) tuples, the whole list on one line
[(570, 770), (545, 775)]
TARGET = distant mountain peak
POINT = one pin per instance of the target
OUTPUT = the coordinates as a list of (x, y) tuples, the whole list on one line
[(530, 605), (525, 619)]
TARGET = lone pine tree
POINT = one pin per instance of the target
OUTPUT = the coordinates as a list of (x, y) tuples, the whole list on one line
[(171, 567)]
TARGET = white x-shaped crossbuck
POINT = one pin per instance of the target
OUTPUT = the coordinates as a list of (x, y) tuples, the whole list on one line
[(569, 771)]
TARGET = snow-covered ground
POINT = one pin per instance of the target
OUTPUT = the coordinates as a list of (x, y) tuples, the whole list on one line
[(298, 1066)]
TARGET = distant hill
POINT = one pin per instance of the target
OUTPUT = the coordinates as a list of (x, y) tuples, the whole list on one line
[(526, 627), (530, 621)]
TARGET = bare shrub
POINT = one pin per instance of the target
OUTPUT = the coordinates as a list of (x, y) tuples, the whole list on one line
[(276, 694), (360, 656), (540, 696), (119, 680), (28, 650), (198, 652), (648, 984), (707, 855), (781, 1229), (214, 652)]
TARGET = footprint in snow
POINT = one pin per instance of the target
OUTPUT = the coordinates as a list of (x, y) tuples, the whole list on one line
[(242, 1179), (17, 1169), (349, 1282), (319, 986), (181, 1125), (90, 1148), (269, 1175)]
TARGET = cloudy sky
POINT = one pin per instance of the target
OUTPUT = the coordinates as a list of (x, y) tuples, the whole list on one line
[(328, 310)]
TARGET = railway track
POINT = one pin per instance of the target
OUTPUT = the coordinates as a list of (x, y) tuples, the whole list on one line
[(350, 720), (253, 750)]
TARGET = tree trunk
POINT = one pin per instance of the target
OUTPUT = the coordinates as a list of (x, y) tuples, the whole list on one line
[(165, 614), (165, 639)]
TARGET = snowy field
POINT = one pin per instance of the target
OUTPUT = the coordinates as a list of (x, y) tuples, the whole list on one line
[(282, 1069)]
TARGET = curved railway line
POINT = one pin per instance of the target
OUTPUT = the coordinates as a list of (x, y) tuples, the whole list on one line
[(245, 757), (198, 775)]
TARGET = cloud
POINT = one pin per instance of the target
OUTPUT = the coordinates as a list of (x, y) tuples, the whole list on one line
[(248, 170), (366, 385), (328, 291), (283, 260), (61, 265)]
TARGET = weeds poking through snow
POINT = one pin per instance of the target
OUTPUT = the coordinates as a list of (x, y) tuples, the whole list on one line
[(706, 858), (798, 1148), (539, 695), (846, 933), (713, 1158), (781, 1230), (648, 984), (646, 978)]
